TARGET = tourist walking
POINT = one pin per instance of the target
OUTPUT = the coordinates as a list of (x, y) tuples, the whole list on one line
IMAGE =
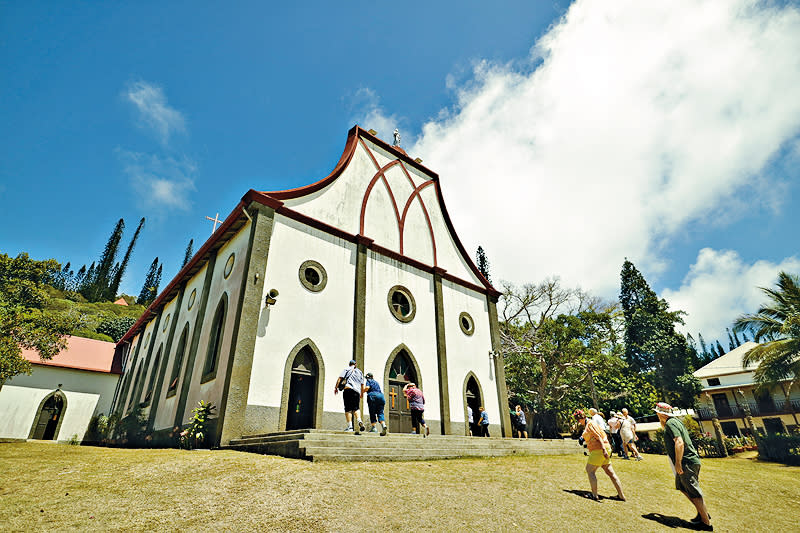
[(685, 461), (614, 425), (351, 383), (376, 402), (521, 422), (416, 402), (599, 455), (628, 434), (470, 423), (484, 422)]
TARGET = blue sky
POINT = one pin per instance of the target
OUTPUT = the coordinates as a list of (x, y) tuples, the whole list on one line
[(567, 136)]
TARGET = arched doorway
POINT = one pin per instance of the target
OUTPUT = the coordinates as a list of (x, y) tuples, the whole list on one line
[(302, 391), (402, 370), (48, 421), (473, 399)]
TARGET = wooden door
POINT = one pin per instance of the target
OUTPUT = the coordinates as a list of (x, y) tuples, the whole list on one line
[(49, 416), (721, 405), (401, 372), (302, 391)]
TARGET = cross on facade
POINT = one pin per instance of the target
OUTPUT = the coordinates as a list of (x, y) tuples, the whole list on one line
[(216, 221), (393, 394)]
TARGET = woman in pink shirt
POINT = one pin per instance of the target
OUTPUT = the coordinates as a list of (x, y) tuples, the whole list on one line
[(599, 455)]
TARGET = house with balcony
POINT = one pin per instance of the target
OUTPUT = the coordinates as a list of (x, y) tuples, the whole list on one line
[(729, 391)]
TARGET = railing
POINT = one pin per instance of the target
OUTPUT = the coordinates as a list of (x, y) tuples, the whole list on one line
[(756, 409)]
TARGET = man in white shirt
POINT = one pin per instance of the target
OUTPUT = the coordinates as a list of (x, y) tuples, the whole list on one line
[(352, 382)]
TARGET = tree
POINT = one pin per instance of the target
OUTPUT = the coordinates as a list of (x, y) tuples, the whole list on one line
[(652, 345), (706, 354), (116, 327), (188, 255), (777, 322), (552, 338), (24, 323), (483, 263), (111, 293), (720, 350), (97, 286), (736, 339), (731, 344), (150, 286)]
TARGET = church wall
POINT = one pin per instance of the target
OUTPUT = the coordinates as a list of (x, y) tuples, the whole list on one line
[(384, 332), (87, 393), (211, 390), (166, 410), (469, 353), (325, 317), (138, 363), (447, 253), (161, 337), (339, 204)]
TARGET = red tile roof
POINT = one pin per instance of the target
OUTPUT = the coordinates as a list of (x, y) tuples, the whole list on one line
[(121, 301), (80, 353)]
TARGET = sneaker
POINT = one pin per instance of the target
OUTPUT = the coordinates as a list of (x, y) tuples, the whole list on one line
[(374, 429), (349, 428), (638, 457), (361, 425), (698, 520), (383, 431)]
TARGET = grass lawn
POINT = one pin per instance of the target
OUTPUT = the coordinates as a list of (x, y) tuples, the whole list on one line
[(60, 487)]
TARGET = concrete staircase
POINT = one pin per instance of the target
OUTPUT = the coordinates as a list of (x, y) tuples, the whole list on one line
[(326, 445)]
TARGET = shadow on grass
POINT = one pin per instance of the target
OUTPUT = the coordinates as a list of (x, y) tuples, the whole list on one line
[(588, 494), (671, 521)]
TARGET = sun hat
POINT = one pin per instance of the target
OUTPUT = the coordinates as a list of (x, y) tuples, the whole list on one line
[(369, 375), (578, 414), (352, 361), (664, 409)]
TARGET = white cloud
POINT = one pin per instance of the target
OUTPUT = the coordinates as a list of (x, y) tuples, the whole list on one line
[(370, 114), (720, 287), (153, 110), (161, 182), (630, 120)]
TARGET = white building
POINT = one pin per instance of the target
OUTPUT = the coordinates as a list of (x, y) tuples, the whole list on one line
[(724, 378), (60, 397), (363, 264)]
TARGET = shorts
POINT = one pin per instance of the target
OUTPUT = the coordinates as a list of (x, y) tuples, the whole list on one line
[(376, 403), (627, 436), (352, 400), (689, 481), (416, 418), (596, 457)]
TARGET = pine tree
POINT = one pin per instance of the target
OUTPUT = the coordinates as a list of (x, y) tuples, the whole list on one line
[(704, 347), (117, 278), (652, 345), (731, 344), (745, 338), (88, 279), (720, 351), (188, 255), (147, 294), (483, 263), (736, 339), (98, 285), (714, 353)]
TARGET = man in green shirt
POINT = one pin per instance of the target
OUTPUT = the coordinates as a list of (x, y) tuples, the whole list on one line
[(685, 461)]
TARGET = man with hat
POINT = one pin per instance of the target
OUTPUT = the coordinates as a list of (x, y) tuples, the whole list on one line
[(685, 461), (351, 383)]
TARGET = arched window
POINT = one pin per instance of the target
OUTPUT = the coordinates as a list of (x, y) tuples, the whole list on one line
[(215, 341), (178, 363), (149, 394)]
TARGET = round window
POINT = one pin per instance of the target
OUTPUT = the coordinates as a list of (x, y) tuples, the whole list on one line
[(229, 266), (191, 300), (466, 323), (401, 303), (313, 276), (166, 323)]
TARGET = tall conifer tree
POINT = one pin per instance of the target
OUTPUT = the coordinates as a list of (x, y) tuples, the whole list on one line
[(483, 263), (720, 351), (188, 254), (147, 294), (652, 345), (117, 279)]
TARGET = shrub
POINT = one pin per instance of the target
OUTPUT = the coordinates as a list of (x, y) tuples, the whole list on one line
[(116, 327), (89, 334), (780, 448), (196, 433)]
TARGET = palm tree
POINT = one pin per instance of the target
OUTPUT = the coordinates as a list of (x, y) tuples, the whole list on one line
[(778, 323)]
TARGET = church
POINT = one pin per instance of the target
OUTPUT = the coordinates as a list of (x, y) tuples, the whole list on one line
[(364, 264)]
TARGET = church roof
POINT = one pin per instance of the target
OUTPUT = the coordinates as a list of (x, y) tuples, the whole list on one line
[(80, 354), (422, 206)]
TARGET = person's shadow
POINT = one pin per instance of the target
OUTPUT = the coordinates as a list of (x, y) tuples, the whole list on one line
[(588, 494), (671, 521)]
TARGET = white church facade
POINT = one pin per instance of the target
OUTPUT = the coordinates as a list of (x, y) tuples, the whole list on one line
[(363, 264)]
